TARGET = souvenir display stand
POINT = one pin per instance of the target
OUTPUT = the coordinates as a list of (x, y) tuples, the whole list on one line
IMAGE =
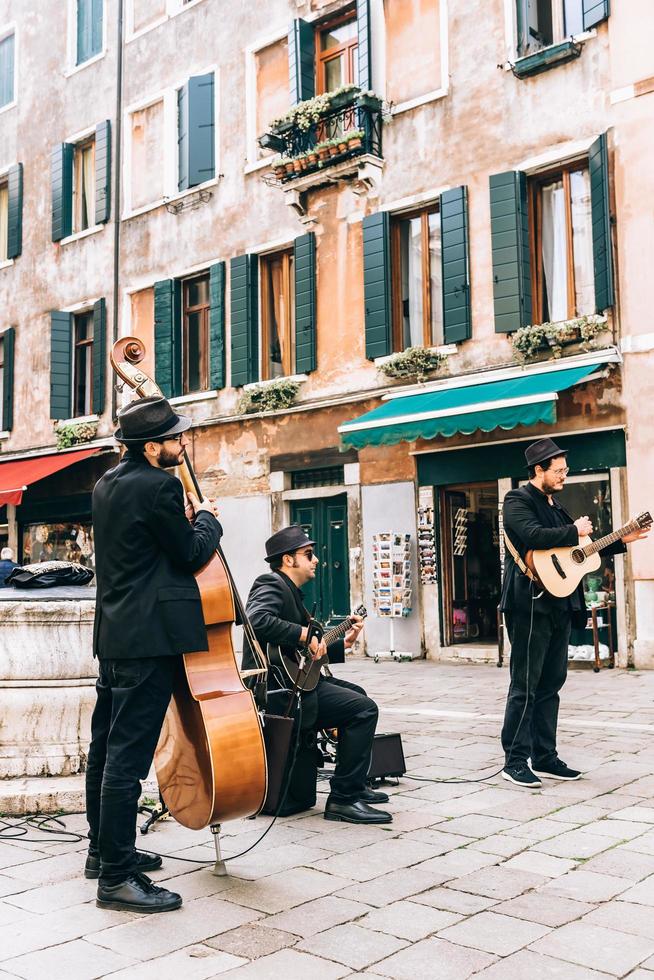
[(391, 553)]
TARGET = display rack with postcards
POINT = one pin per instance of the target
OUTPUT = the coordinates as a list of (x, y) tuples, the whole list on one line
[(426, 537), (392, 574)]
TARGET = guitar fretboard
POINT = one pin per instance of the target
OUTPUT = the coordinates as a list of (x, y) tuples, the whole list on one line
[(337, 631), (594, 546)]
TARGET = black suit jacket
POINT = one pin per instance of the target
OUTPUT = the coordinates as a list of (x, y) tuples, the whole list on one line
[(532, 523), (146, 551)]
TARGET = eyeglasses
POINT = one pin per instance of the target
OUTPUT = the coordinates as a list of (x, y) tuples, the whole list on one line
[(173, 439), (562, 472)]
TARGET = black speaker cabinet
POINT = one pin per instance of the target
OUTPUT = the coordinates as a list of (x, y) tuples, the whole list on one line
[(387, 757)]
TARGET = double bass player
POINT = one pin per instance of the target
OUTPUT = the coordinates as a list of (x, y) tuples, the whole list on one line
[(149, 541)]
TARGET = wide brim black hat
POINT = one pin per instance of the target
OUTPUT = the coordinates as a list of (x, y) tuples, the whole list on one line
[(538, 452), (286, 541), (150, 419)]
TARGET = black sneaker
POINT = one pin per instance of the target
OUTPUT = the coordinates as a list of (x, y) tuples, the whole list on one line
[(557, 770), (145, 861), (137, 894), (520, 774)]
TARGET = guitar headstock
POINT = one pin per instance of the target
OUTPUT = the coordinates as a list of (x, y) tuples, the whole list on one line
[(360, 611), (644, 520)]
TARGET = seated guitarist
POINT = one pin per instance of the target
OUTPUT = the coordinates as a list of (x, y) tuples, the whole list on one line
[(276, 610), (538, 623)]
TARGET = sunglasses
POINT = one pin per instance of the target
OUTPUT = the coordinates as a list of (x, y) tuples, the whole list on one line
[(309, 553)]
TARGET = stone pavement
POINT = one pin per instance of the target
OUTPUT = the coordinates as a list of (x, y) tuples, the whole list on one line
[(472, 878)]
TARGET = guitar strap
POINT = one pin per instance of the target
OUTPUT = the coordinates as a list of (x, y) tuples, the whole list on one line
[(518, 560)]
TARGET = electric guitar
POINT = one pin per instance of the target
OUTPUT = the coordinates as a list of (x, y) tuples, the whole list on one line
[(560, 570), (301, 668)]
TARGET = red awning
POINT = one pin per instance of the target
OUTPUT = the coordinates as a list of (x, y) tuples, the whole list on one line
[(16, 475)]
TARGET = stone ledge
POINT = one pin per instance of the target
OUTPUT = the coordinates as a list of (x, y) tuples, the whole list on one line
[(58, 794)]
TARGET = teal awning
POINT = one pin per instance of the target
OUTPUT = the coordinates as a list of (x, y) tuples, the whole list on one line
[(522, 400)]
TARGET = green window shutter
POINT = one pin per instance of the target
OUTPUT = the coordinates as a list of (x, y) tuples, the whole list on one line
[(510, 245), (305, 303), (89, 29), (598, 165), (377, 284), (301, 61), (244, 270), (455, 265), (8, 339), (364, 53), (62, 191), (195, 138), (594, 12), (102, 172), (61, 362), (7, 47), (15, 211), (217, 325), (99, 354), (167, 337)]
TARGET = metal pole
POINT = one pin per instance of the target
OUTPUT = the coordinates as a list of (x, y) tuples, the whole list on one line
[(219, 869)]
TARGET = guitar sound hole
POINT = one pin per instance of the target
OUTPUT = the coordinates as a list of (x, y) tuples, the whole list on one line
[(578, 556)]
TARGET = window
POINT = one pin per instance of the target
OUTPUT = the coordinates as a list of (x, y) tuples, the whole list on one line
[(89, 29), (4, 220), (82, 363), (562, 245), (277, 314), (84, 185), (414, 49), (195, 334), (545, 22), (146, 170), (7, 47), (336, 55), (416, 280)]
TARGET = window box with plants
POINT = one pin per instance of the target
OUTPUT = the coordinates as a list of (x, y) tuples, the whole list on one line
[(270, 396), (549, 339), (75, 433), (412, 364)]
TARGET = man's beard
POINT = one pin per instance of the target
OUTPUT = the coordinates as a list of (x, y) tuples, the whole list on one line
[(552, 490), (167, 460)]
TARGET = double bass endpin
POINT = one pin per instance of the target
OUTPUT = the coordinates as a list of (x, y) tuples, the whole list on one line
[(219, 869)]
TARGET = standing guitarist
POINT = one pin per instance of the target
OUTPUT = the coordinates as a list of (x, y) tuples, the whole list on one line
[(276, 610), (538, 623)]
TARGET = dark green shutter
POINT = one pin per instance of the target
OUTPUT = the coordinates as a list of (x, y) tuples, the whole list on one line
[(510, 244), (455, 265), (364, 54), (217, 325), (8, 339), (61, 363), (99, 355), (15, 211), (244, 323), (301, 61), (62, 191), (167, 337), (598, 165), (305, 303), (102, 172), (594, 12), (196, 139), (377, 284)]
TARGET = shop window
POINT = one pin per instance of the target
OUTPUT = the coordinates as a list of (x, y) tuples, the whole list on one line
[(336, 55), (195, 334), (7, 80), (84, 185), (562, 245), (4, 220), (417, 280), (89, 29), (545, 22), (82, 363), (63, 541), (277, 314)]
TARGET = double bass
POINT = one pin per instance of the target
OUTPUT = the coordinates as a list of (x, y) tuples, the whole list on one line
[(211, 759)]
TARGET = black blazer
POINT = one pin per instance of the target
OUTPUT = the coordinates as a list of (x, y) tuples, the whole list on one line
[(532, 523), (148, 602)]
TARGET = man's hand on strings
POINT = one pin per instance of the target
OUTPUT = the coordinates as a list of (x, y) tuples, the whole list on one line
[(352, 634)]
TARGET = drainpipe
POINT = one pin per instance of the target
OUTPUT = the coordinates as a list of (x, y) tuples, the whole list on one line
[(118, 129)]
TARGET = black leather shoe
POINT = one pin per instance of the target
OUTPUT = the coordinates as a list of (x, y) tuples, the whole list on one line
[(372, 796), (357, 812), (145, 861), (137, 894)]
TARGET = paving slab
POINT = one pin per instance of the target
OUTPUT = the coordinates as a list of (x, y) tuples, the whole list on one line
[(549, 910), (409, 920), (352, 945), (286, 890), (288, 964), (76, 960), (450, 900), (494, 933), (434, 958), (587, 886), (252, 940), (535, 966), (541, 864), (596, 947), (391, 887), (312, 917), (497, 882)]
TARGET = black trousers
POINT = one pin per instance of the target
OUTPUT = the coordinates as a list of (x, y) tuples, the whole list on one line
[(539, 665), (133, 696), (347, 707)]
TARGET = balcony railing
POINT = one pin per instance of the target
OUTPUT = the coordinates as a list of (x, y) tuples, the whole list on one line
[(351, 126)]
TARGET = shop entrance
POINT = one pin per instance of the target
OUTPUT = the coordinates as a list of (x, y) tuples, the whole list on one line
[(471, 562), (325, 521)]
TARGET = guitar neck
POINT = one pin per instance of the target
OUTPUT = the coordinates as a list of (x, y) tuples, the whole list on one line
[(595, 546), (337, 631)]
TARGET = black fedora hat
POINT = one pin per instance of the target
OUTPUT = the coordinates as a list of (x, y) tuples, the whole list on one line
[(150, 418), (544, 449), (286, 541)]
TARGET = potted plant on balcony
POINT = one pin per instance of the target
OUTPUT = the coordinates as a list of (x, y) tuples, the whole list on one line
[(354, 139), (343, 97), (279, 168), (333, 147), (368, 100), (322, 150), (289, 166), (312, 158)]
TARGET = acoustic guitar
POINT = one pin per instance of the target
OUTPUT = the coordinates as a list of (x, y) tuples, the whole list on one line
[(301, 668), (560, 570)]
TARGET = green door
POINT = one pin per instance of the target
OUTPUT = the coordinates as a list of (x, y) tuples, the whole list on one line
[(325, 521)]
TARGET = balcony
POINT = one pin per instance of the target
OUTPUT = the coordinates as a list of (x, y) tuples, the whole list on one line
[(333, 137)]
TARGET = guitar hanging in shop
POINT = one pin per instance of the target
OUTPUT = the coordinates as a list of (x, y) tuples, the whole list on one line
[(560, 570), (301, 669)]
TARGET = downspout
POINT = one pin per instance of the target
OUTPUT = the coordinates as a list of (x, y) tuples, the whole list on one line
[(118, 127)]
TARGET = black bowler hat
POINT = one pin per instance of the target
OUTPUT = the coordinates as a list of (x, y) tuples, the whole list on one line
[(286, 541), (150, 418), (544, 449)]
